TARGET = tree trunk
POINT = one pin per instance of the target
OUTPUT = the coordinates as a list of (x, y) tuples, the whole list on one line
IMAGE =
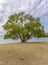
[(23, 40)]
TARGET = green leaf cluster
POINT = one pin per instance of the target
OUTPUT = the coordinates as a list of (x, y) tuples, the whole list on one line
[(23, 26)]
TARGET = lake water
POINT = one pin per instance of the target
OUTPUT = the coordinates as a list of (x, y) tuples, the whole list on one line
[(3, 41)]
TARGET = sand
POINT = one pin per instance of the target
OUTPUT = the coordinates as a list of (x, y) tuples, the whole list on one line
[(24, 54)]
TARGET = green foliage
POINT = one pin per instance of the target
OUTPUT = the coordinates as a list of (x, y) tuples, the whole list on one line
[(23, 26)]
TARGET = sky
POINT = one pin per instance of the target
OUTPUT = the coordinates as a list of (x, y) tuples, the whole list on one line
[(38, 8)]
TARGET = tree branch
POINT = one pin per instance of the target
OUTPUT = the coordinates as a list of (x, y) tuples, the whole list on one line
[(20, 36)]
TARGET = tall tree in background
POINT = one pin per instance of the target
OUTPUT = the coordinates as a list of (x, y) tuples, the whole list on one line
[(23, 26)]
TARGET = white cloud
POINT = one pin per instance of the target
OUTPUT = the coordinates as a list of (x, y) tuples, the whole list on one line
[(38, 8), (1, 1)]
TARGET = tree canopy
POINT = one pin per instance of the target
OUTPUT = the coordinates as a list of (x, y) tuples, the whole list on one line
[(23, 26)]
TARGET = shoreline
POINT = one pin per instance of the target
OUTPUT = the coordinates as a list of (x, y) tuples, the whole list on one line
[(33, 40), (24, 43)]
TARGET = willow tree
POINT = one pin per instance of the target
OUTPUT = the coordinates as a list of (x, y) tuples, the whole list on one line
[(23, 26)]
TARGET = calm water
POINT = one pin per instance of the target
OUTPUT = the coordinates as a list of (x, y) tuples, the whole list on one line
[(3, 41)]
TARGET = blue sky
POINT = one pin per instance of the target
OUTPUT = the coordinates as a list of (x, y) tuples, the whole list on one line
[(38, 8)]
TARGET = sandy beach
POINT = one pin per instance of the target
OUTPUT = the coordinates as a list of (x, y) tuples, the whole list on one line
[(24, 54)]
